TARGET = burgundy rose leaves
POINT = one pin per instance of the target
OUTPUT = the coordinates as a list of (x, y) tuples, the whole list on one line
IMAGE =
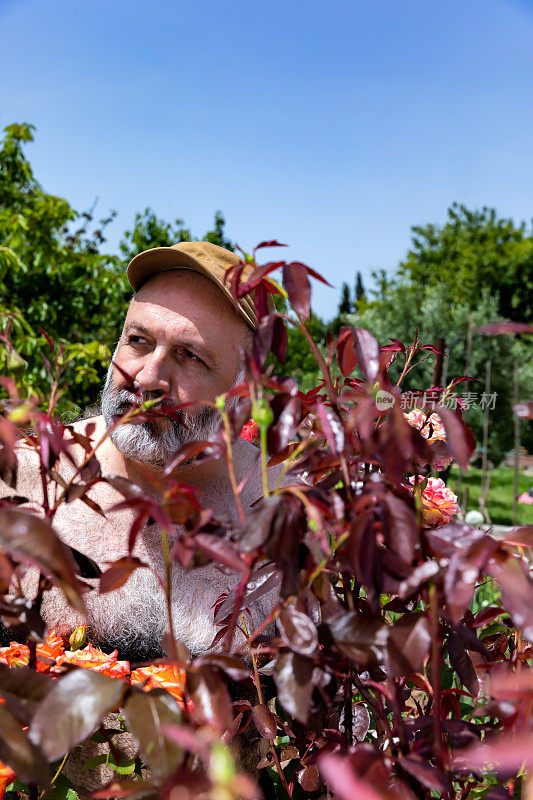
[(370, 673)]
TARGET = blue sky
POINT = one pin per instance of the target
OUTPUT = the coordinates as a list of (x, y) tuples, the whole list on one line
[(331, 126)]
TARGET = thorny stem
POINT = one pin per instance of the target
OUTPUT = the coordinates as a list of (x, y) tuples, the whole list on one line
[(168, 589), (257, 683)]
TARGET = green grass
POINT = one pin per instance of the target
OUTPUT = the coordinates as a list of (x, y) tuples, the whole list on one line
[(500, 497)]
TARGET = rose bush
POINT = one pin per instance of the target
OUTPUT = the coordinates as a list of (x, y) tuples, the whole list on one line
[(384, 676)]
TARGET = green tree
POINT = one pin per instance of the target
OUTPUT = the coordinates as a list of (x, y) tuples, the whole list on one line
[(360, 294), (53, 276), (474, 250), (345, 305), (300, 363), (401, 309), (149, 230)]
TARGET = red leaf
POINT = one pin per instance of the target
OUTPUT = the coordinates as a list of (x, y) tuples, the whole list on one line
[(147, 715), (220, 550), (270, 243), (522, 536), (459, 438), (314, 274), (293, 675), (367, 353), (264, 721), (73, 710), (505, 327), (462, 664), (408, 644), (298, 287), (510, 752), (299, 631), (331, 427), (517, 589), (210, 697), (346, 352), (340, 776), (32, 539), (118, 573)]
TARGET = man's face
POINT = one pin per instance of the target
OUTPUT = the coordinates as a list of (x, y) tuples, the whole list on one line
[(182, 339)]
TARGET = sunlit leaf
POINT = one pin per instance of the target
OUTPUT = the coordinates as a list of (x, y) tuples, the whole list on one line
[(73, 710)]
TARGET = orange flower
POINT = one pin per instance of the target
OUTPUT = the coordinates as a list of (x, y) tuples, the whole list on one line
[(439, 503), (167, 677), (16, 655), (94, 658), (52, 650), (6, 775), (431, 429)]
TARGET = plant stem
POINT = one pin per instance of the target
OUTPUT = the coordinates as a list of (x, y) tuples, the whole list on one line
[(56, 776), (438, 742), (259, 690), (264, 469), (231, 467)]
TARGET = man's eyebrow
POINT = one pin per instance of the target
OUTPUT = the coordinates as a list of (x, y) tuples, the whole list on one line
[(135, 325), (189, 344)]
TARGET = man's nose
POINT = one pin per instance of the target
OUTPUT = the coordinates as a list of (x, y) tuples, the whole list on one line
[(152, 376)]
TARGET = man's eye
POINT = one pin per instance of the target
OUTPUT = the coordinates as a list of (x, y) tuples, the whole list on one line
[(134, 339), (190, 356)]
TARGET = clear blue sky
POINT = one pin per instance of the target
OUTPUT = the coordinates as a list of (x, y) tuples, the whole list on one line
[(333, 126)]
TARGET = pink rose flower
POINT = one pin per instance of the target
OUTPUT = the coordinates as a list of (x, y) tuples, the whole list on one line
[(439, 504), (431, 429)]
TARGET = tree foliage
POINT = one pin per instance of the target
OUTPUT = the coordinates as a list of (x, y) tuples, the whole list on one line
[(475, 250), (360, 293), (345, 304), (53, 277)]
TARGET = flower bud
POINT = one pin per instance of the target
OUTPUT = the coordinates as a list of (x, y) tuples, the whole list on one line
[(77, 638)]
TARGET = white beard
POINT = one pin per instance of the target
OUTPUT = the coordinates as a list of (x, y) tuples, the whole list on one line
[(149, 442)]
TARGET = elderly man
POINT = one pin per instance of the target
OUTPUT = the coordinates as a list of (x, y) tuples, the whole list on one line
[(183, 338)]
